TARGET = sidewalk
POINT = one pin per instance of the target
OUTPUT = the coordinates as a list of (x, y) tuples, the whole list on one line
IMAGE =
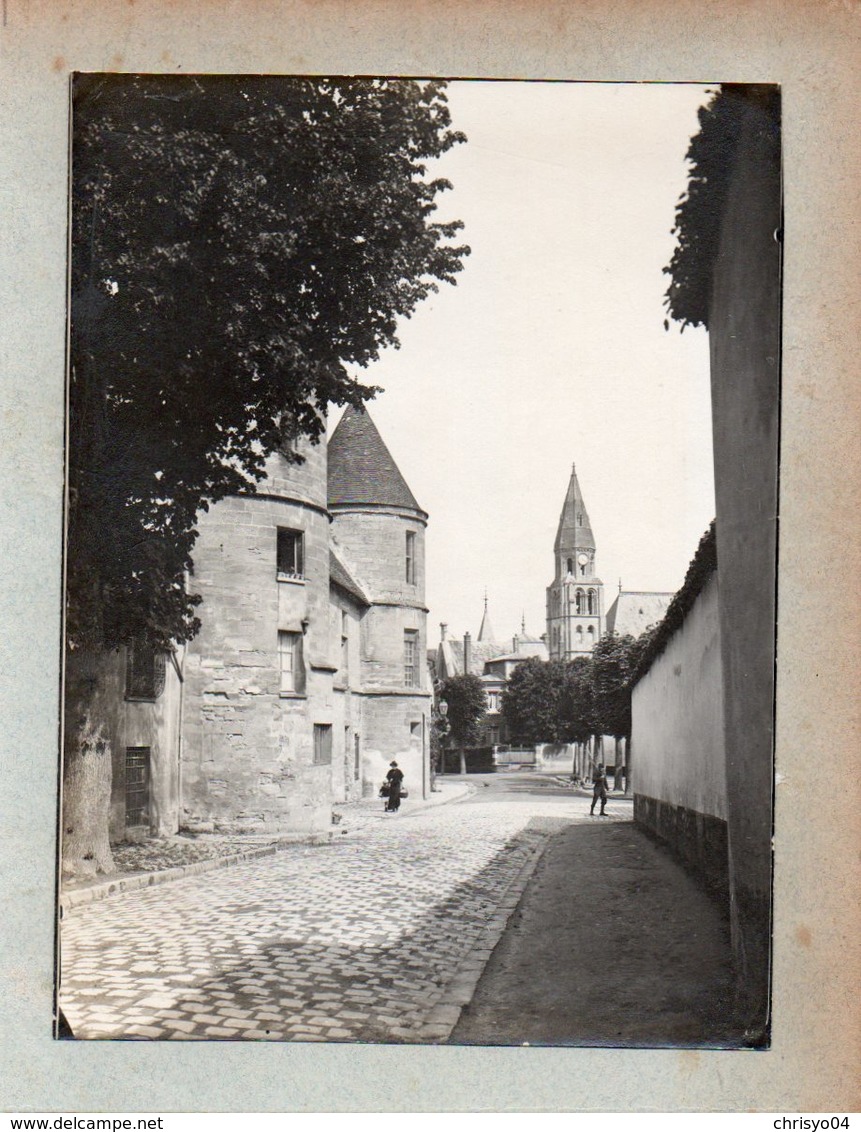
[(160, 860), (611, 944)]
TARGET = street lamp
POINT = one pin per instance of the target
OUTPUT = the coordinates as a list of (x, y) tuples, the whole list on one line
[(442, 728)]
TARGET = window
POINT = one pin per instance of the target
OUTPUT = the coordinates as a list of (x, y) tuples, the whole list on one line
[(345, 644), (145, 672), (570, 565), (411, 656), (289, 431), (291, 664), (357, 752), (291, 555), (590, 602), (322, 744), (411, 558), (137, 785), (578, 601)]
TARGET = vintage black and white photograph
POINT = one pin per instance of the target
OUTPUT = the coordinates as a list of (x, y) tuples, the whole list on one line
[(420, 565)]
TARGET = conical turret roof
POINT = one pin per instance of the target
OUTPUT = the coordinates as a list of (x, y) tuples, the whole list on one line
[(361, 468), (485, 632), (575, 530)]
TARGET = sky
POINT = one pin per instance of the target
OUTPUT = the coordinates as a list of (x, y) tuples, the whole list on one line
[(551, 351)]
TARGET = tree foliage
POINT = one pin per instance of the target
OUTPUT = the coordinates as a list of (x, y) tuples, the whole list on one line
[(237, 244), (549, 701), (699, 213), (467, 705), (613, 664)]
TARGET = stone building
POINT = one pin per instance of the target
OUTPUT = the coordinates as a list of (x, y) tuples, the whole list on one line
[(576, 620), (492, 661), (306, 677), (575, 597)]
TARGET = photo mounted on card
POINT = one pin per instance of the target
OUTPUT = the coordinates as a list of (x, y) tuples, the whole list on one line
[(420, 561)]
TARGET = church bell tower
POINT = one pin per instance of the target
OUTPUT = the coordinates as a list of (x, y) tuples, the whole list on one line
[(575, 597)]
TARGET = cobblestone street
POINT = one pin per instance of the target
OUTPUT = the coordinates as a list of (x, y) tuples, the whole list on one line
[(379, 936)]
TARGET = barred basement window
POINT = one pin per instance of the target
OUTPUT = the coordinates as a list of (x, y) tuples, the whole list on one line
[(291, 553), (411, 649), (137, 785), (322, 744), (145, 672)]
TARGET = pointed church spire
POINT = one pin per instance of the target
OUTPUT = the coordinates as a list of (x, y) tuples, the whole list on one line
[(574, 531), (485, 633)]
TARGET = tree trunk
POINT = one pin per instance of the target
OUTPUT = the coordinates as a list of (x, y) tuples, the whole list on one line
[(87, 776), (462, 751), (615, 761), (627, 763)]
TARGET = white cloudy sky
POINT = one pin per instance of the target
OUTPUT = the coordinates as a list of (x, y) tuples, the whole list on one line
[(551, 350)]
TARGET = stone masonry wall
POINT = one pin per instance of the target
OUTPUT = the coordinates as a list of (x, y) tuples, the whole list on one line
[(248, 759), (394, 724), (744, 339), (678, 747)]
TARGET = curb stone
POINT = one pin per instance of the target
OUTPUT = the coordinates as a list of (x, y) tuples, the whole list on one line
[(441, 1020)]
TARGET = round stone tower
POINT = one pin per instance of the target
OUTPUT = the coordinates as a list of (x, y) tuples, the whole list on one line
[(381, 529), (257, 710)]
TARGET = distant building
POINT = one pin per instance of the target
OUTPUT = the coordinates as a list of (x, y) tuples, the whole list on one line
[(575, 598), (492, 661), (635, 611)]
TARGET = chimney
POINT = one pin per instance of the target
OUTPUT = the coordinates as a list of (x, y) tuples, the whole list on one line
[(467, 652), (443, 629)]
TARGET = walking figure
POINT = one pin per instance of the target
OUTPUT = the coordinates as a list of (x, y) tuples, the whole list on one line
[(599, 790), (394, 778)]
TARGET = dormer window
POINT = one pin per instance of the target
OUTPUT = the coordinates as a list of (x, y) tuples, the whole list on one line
[(291, 553)]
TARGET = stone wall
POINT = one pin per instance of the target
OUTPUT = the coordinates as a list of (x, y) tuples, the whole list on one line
[(678, 763), (248, 751), (394, 715), (153, 725), (346, 613), (375, 541), (744, 336)]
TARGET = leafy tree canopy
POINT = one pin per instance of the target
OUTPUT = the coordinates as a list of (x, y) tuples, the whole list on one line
[(237, 244), (467, 705), (549, 701), (699, 213), (614, 660)]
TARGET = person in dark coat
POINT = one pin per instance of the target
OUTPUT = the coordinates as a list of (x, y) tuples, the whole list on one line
[(394, 778), (599, 789)]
